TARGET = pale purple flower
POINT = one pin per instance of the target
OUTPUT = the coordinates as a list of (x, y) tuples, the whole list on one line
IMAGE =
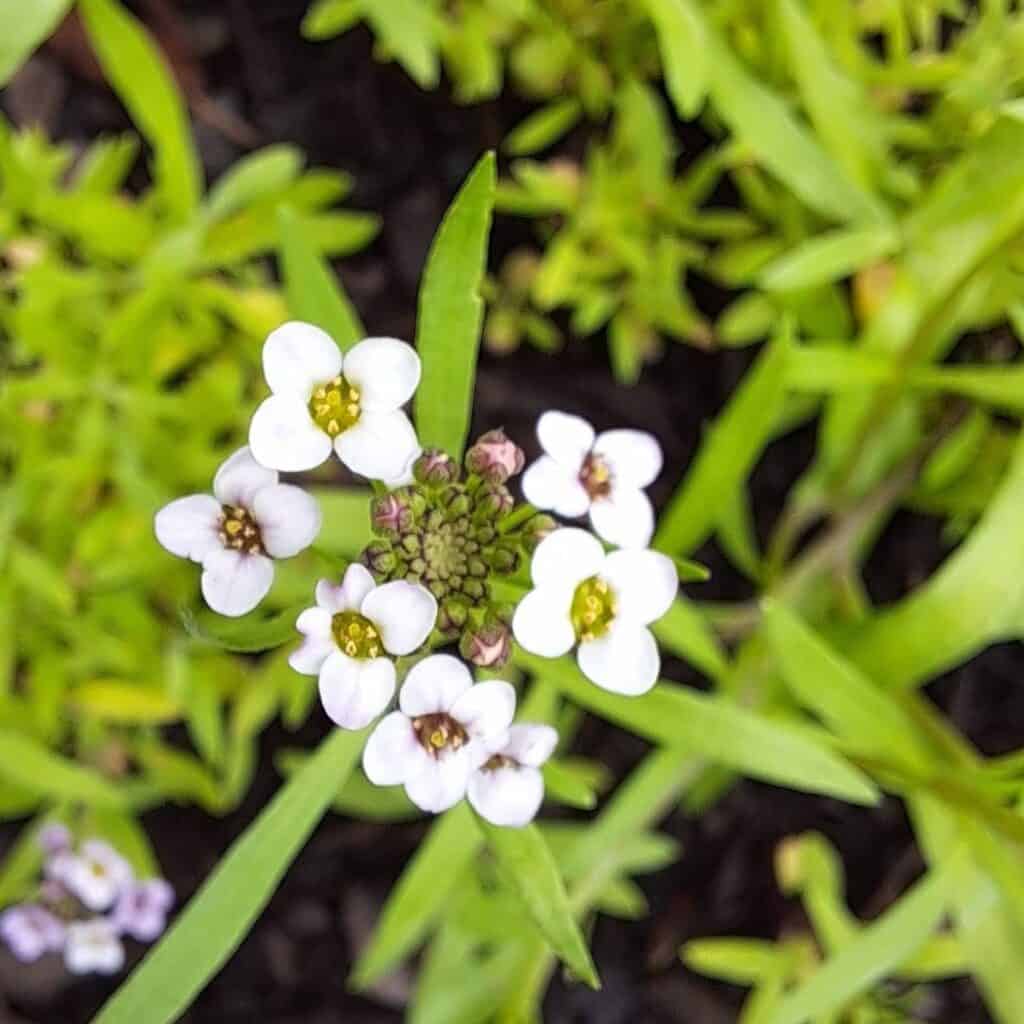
[(141, 909), (92, 947), (30, 931), (95, 875), (54, 838)]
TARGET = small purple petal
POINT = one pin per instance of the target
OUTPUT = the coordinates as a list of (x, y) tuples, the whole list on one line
[(141, 909), (30, 931)]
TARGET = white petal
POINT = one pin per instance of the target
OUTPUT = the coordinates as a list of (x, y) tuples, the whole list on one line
[(530, 744), (633, 456), (240, 478), (567, 439), (283, 435), (404, 612), (288, 518), (379, 446), (188, 526), (354, 691), (434, 684), (550, 485), (644, 583), (486, 709), (541, 623), (315, 625), (234, 583), (348, 596), (393, 753), (297, 357), (508, 796), (624, 518), (625, 660), (566, 557), (441, 783), (405, 477), (386, 371)]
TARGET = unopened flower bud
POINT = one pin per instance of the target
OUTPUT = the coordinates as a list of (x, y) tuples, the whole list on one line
[(435, 467), (505, 559), (379, 558), (457, 507), (495, 457), (488, 647), (492, 503), (389, 515), (411, 544), (475, 589), (477, 567), (452, 616), (536, 529)]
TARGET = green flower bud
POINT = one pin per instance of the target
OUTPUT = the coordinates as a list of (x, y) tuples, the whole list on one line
[(434, 468)]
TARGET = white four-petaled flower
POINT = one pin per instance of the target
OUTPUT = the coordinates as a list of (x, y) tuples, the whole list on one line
[(601, 602), (445, 729), (237, 532), (603, 474), (93, 947), (95, 875), (141, 909), (323, 401), (350, 636), (508, 788), (30, 931)]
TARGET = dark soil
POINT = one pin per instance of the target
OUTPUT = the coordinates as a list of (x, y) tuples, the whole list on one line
[(408, 152)]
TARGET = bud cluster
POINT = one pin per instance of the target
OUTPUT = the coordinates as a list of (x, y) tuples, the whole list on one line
[(455, 534)]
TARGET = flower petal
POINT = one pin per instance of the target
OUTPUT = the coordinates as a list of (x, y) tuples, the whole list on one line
[(541, 623), (234, 583), (566, 438), (393, 753), (289, 519), (386, 371), (530, 744), (625, 660), (379, 446), (566, 557), (282, 435), (645, 584), (434, 684), (404, 612), (486, 709), (188, 527), (240, 478), (550, 485), (633, 456), (297, 357), (441, 783), (624, 518), (510, 796), (354, 691), (315, 625), (348, 596)]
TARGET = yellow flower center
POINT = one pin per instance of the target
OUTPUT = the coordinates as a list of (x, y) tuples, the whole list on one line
[(239, 531), (334, 406), (356, 635), (596, 477), (593, 609)]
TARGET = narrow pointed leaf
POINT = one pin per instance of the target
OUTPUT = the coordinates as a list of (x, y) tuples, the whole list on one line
[(22, 28)]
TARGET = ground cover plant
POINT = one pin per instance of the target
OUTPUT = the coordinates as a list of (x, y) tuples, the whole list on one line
[(665, 673)]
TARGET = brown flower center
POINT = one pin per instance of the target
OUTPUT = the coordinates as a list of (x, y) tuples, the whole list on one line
[(238, 531), (439, 733), (596, 477)]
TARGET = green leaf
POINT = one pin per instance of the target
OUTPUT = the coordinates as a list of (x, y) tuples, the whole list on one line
[(543, 127), (530, 869), (684, 54), (728, 452), (254, 176), (717, 729), (26, 763), (247, 634), (346, 520), (328, 18), (451, 314), (111, 700), (684, 632), (22, 863), (22, 28), (829, 257), (407, 30), (139, 74), (222, 911), (312, 292)]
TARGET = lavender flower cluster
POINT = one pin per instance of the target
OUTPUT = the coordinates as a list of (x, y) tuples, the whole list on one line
[(87, 902)]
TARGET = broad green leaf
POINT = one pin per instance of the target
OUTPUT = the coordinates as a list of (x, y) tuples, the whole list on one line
[(111, 700), (254, 176), (530, 869), (22, 28), (26, 763), (684, 54), (728, 452), (312, 292), (715, 728), (420, 895), (220, 914), (246, 634), (543, 127), (451, 314), (139, 74), (407, 31), (829, 257), (877, 951)]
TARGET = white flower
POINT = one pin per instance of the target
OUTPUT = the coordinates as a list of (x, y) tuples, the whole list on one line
[(141, 909), (349, 635), (508, 788), (95, 875), (602, 474), (30, 931), (92, 947), (603, 603), (236, 533), (446, 728), (322, 400)]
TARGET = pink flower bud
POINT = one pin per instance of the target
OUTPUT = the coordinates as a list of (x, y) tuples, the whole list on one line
[(489, 647), (495, 457)]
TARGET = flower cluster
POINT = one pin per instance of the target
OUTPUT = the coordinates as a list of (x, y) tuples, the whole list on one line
[(86, 903), (449, 541)]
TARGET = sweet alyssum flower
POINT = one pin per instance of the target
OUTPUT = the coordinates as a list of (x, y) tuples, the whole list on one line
[(601, 602), (95, 875), (351, 636), (323, 401), (30, 931), (603, 474), (508, 788), (141, 909), (237, 532), (446, 728), (93, 947)]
